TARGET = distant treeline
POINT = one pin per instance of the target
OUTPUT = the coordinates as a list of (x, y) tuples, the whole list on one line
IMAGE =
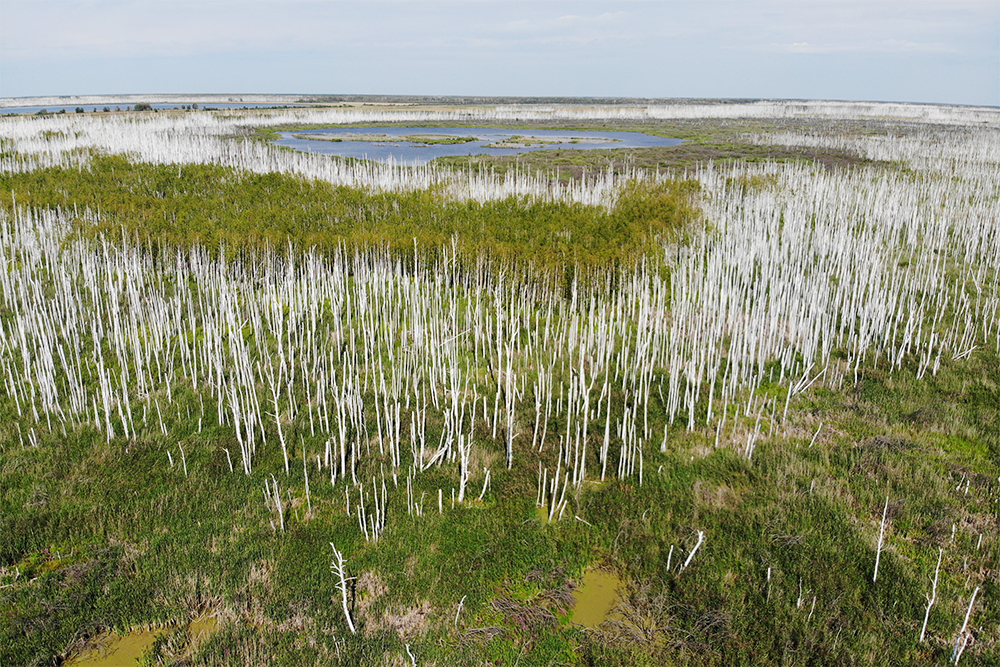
[(228, 211)]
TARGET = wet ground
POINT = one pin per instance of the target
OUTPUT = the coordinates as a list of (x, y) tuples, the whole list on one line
[(115, 650), (596, 596)]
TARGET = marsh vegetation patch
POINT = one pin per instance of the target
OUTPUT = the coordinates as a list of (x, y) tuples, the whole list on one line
[(781, 374)]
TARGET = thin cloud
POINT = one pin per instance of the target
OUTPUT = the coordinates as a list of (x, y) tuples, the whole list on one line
[(542, 23), (651, 48), (882, 46)]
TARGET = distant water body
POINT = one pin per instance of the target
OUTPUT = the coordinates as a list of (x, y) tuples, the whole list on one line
[(419, 145)]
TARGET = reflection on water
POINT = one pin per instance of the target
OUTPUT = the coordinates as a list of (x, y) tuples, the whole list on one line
[(419, 145)]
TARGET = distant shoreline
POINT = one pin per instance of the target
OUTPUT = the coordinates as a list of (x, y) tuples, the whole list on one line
[(323, 99), (341, 100), (64, 100)]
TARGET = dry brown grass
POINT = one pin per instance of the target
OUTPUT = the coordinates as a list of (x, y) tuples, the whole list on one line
[(407, 622)]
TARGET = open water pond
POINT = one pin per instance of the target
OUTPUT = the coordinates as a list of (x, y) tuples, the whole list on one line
[(118, 650), (420, 145), (114, 650), (595, 598)]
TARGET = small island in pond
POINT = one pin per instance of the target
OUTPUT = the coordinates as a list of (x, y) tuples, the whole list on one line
[(425, 139)]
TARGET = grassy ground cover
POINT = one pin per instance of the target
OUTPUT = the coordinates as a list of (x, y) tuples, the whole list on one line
[(218, 207), (726, 558), (784, 576)]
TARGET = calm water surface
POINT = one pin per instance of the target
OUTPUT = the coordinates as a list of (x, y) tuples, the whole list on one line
[(418, 145)]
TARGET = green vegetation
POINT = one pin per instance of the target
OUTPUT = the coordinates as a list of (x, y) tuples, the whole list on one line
[(425, 139), (432, 139), (317, 137), (91, 545), (153, 525), (219, 208), (521, 141)]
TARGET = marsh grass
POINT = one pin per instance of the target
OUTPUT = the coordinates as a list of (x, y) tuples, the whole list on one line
[(108, 533), (227, 211), (99, 547)]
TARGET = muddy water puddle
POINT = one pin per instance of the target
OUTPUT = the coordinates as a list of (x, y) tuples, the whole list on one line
[(596, 596), (117, 651), (203, 628), (114, 650)]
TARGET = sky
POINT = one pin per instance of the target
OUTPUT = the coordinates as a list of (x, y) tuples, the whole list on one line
[(940, 51)]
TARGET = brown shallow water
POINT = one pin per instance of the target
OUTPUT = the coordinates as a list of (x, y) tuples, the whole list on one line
[(117, 650), (114, 650), (596, 596), (203, 628)]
